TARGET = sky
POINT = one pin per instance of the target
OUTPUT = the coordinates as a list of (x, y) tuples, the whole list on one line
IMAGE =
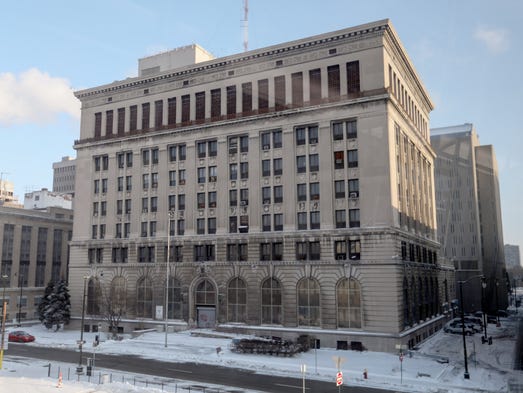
[(490, 366), (467, 53)]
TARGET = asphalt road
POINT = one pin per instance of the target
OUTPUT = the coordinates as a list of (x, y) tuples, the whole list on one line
[(200, 373)]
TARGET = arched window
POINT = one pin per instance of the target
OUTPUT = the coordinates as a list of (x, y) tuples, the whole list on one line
[(348, 297), (426, 299), (308, 302), (94, 294), (175, 307), (118, 295), (144, 298), (236, 300), (271, 306), (421, 315), (414, 306), (406, 313), (205, 293)]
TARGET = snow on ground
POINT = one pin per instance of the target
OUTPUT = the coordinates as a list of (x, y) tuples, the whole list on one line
[(490, 366)]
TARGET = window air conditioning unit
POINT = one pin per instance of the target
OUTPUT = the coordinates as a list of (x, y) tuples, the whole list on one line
[(266, 147), (353, 195), (266, 201), (212, 178), (243, 203)]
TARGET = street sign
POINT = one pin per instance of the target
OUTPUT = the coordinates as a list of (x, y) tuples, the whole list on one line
[(339, 378), (401, 357)]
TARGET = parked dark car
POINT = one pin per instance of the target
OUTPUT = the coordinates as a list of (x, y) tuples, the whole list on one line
[(20, 336), (455, 329), (503, 313)]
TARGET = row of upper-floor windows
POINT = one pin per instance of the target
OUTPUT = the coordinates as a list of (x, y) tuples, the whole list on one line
[(268, 251), (417, 253), (409, 105), (270, 139), (267, 94)]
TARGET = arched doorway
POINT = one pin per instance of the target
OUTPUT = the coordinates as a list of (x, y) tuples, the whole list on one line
[(205, 302)]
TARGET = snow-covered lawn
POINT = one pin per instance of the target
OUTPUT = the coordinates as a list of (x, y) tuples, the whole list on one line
[(490, 366)]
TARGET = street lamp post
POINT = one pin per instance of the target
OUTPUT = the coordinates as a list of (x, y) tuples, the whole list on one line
[(466, 375), (515, 297), (4, 313), (79, 369), (167, 271), (484, 339), (20, 283), (498, 324)]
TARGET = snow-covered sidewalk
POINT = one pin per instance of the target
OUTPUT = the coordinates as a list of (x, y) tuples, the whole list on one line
[(490, 366)]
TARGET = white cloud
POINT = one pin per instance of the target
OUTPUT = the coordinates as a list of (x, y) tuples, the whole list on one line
[(35, 97), (496, 40)]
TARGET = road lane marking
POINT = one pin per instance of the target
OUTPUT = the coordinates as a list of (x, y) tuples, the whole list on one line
[(290, 386), (180, 371)]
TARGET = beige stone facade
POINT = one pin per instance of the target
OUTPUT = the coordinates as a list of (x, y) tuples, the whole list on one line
[(292, 187), (34, 249)]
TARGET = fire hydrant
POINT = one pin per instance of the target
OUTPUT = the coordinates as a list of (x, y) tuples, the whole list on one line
[(365, 374)]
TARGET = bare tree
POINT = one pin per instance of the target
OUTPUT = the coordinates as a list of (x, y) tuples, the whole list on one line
[(114, 305)]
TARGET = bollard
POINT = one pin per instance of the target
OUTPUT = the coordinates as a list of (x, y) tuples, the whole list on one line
[(365, 374)]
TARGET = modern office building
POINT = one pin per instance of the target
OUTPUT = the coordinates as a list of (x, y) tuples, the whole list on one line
[(34, 250), (512, 256), (469, 214), (290, 188), (64, 175)]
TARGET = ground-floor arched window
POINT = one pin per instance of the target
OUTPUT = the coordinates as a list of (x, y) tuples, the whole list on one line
[(348, 296), (308, 291), (118, 300), (271, 302), (205, 293), (236, 300), (144, 298), (175, 304), (94, 296)]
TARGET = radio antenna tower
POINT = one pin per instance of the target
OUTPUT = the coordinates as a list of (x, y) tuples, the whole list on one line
[(245, 25)]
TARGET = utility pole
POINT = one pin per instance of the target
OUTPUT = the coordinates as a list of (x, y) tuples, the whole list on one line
[(245, 25)]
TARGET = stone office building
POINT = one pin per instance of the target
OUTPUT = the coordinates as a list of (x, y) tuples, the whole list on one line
[(290, 187)]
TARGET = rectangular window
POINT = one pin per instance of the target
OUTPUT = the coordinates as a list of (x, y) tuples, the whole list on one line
[(233, 145), (200, 226), (244, 170), (200, 200), (333, 80), (171, 111), (315, 220), (98, 124), (279, 93), (340, 250), (353, 77), (263, 95), (277, 251), (143, 231), (277, 164), (152, 229), (158, 113), (212, 174), (266, 140), (297, 89), (231, 100), (202, 149), (315, 86), (278, 194), (129, 159), (354, 188), (233, 171), (266, 195), (181, 177), (145, 157), (133, 117), (216, 103), (121, 121), (172, 202), (266, 222), (233, 224), (186, 108), (211, 225), (119, 207), (341, 220), (314, 251), (182, 151), (354, 249), (145, 205), (301, 191), (181, 202), (244, 144), (354, 218), (109, 122), (339, 189), (120, 160), (200, 105), (155, 156), (266, 168), (213, 148), (302, 220), (146, 112), (233, 198), (247, 97), (127, 206), (352, 158), (265, 251), (244, 197), (244, 224), (314, 163), (277, 140), (352, 129), (104, 186), (301, 251), (313, 135), (300, 136), (201, 175), (212, 198), (339, 160), (278, 222), (180, 227), (301, 164), (172, 178), (314, 191), (337, 131), (145, 181)]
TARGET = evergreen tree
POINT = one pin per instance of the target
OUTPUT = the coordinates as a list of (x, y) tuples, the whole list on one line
[(44, 302), (58, 308)]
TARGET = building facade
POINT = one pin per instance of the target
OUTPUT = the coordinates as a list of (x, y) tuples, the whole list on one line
[(290, 188), (512, 256), (469, 214), (34, 251), (44, 198), (64, 174)]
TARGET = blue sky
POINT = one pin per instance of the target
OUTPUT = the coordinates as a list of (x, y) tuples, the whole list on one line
[(468, 54)]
